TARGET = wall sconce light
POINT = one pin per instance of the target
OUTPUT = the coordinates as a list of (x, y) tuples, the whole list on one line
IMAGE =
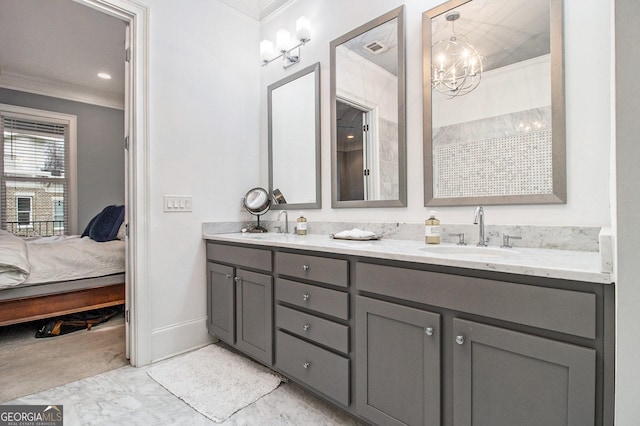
[(290, 54)]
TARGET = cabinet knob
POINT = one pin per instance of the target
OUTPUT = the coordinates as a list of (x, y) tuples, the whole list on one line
[(306, 327), (305, 267), (428, 331), (306, 365), (460, 339), (237, 279), (305, 297), (228, 276)]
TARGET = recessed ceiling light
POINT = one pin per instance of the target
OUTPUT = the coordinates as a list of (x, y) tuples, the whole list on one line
[(104, 75)]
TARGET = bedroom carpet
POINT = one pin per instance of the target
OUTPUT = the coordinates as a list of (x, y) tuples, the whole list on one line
[(215, 382), (29, 365)]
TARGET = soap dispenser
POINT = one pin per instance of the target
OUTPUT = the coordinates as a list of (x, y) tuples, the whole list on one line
[(301, 228), (432, 229)]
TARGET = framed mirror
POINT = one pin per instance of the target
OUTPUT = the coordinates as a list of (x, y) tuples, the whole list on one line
[(494, 109), (368, 130), (294, 140)]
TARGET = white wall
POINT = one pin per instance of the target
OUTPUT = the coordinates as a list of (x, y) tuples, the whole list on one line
[(588, 103), (204, 141), (500, 92)]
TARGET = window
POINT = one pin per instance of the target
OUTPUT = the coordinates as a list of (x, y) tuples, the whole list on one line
[(35, 150), (23, 214)]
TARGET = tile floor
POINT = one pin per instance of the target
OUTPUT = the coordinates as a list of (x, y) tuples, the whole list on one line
[(128, 396)]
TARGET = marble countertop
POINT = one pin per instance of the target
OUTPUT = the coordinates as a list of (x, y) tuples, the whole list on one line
[(562, 264)]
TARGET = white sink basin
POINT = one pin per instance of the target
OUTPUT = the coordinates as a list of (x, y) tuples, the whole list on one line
[(446, 250), (268, 236)]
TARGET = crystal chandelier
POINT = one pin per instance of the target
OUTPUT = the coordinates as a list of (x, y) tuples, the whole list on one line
[(457, 67)]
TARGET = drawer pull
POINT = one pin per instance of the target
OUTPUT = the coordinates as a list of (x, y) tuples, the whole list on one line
[(305, 267), (306, 365), (460, 339), (305, 297), (306, 327), (428, 331), (228, 276)]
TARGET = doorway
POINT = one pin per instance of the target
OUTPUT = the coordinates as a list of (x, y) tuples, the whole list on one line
[(137, 313), (356, 152)]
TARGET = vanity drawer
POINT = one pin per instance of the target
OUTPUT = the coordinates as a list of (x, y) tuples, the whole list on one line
[(330, 302), (322, 269), (240, 256), (564, 311), (314, 366), (319, 330)]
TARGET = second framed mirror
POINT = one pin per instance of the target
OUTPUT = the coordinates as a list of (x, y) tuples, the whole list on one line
[(368, 130)]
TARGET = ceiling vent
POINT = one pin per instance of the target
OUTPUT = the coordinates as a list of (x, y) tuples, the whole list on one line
[(375, 47)]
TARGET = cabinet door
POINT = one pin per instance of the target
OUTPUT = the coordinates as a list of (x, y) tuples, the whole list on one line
[(254, 304), (502, 377), (397, 363), (220, 302)]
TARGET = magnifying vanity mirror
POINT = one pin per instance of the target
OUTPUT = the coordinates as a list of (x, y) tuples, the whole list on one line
[(494, 123), (294, 139), (368, 136), (257, 202)]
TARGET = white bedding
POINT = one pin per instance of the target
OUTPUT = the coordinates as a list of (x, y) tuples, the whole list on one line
[(62, 258), (14, 260)]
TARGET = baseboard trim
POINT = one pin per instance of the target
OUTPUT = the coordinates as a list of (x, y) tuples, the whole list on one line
[(176, 339)]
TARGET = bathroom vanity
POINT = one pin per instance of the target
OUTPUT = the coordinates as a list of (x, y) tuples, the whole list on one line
[(395, 332)]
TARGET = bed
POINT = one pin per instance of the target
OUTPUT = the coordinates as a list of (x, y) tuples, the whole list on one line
[(42, 277)]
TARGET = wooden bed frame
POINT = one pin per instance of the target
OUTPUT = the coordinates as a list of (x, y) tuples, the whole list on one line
[(23, 309)]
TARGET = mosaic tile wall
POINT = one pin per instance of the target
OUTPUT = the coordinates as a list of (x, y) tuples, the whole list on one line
[(503, 155)]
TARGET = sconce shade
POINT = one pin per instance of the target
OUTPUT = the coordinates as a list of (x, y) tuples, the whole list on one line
[(266, 50), (289, 52), (303, 29), (283, 40)]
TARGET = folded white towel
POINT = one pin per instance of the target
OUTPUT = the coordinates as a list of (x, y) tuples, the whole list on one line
[(355, 233)]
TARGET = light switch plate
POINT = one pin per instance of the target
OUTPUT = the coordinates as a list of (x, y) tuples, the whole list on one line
[(177, 203)]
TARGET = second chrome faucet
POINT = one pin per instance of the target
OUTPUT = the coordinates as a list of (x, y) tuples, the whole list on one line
[(478, 219)]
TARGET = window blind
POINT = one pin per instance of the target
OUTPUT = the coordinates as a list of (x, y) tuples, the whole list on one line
[(34, 166)]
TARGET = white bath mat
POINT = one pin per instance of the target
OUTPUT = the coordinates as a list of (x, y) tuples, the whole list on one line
[(215, 381)]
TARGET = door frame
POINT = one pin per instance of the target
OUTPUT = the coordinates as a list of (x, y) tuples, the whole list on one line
[(138, 315)]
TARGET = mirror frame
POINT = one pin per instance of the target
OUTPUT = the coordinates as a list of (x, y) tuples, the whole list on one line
[(315, 69), (558, 119), (402, 139)]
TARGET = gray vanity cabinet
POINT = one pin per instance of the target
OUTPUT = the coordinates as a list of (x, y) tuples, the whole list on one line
[(221, 302), (240, 300), (312, 331), (399, 343), (502, 377), (509, 351), (397, 363), (254, 315)]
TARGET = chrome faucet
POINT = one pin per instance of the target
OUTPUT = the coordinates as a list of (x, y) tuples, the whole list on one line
[(286, 221), (478, 219)]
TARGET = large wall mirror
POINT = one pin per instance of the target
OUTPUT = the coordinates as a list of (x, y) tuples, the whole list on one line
[(493, 89), (294, 140), (368, 142)]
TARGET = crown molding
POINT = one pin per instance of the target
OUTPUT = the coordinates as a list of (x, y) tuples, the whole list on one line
[(60, 89)]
